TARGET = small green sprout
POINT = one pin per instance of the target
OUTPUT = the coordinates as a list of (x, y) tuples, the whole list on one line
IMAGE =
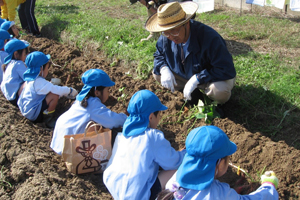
[(3, 182)]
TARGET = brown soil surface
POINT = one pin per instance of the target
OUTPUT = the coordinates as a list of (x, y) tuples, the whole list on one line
[(36, 172)]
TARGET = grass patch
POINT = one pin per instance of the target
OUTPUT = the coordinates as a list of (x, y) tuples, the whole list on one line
[(278, 31)]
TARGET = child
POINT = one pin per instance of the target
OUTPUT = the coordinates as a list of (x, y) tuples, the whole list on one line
[(87, 107), (13, 69), (4, 37), (39, 97), (207, 158), (133, 169), (11, 28)]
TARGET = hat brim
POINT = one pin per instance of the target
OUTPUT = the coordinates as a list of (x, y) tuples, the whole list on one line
[(189, 8)]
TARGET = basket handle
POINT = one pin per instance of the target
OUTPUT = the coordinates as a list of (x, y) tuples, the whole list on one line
[(90, 125)]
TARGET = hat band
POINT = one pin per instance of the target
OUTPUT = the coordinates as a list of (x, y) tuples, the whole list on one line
[(182, 19)]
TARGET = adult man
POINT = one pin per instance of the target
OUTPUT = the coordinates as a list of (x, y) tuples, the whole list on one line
[(190, 54)]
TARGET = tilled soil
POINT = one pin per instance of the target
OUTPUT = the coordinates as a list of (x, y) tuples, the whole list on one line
[(36, 172)]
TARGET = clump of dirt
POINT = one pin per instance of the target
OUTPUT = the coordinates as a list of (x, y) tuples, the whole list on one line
[(36, 172)]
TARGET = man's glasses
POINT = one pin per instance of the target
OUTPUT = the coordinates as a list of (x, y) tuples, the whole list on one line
[(174, 34)]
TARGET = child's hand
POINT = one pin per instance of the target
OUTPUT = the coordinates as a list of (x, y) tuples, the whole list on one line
[(269, 177), (73, 93)]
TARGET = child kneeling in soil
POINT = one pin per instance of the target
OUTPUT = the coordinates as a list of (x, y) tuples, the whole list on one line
[(13, 69), (207, 157), (39, 97), (139, 150), (4, 37), (87, 107)]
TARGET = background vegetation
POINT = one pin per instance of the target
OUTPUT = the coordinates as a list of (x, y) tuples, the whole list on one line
[(265, 51)]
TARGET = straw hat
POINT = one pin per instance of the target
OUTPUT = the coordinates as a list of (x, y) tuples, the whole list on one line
[(171, 15)]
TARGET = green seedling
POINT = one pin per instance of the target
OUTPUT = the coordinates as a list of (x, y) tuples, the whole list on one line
[(206, 110), (253, 180), (123, 97), (3, 182)]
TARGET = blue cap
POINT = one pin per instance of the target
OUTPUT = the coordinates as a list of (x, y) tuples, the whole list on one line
[(4, 35), (1, 21), (141, 105), (7, 24), (34, 61), (93, 78), (11, 46), (205, 145)]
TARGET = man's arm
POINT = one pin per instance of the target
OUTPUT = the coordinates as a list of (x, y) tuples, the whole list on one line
[(159, 57)]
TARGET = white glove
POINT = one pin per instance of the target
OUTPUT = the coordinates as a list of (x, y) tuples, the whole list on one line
[(167, 78), (73, 93), (189, 87)]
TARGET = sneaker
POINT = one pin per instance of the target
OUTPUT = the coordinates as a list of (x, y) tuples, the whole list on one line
[(49, 118)]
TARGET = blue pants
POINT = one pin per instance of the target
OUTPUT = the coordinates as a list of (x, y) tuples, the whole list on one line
[(27, 18)]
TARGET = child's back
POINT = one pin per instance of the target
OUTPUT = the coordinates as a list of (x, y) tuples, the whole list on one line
[(77, 117), (208, 149), (12, 79), (139, 151), (14, 69), (87, 107), (34, 92), (4, 37), (39, 97), (135, 162), (3, 54), (220, 190)]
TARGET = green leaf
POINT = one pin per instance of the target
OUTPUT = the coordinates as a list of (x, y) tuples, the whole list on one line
[(200, 115)]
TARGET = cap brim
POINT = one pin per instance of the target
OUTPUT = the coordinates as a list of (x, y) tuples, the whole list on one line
[(233, 148), (109, 84), (189, 8), (163, 107), (48, 57)]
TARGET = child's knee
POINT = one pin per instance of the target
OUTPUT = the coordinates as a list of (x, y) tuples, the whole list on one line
[(52, 98)]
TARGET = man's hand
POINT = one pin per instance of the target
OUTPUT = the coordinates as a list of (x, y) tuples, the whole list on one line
[(189, 87), (167, 78)]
